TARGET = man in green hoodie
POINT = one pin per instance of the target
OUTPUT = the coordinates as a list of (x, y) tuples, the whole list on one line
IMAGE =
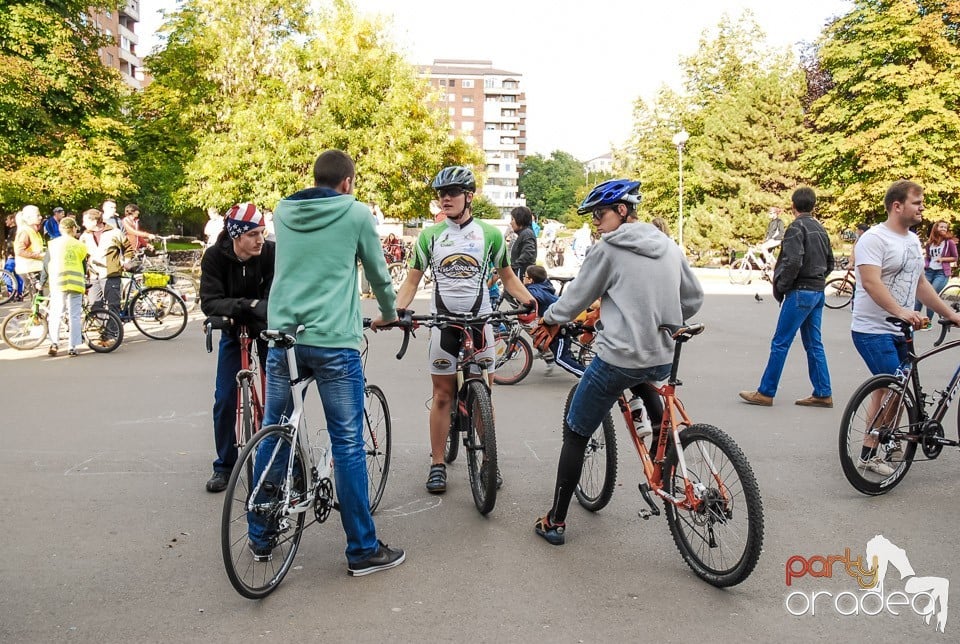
[(321, 231)]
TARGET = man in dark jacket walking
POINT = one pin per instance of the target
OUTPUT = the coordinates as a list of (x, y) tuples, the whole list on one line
[(806, 260), (523, 251), (237, 272)]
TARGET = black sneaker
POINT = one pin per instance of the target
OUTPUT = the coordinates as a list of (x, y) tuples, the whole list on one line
[(218, 482), (260, 555), (385, 559), (552, 532)]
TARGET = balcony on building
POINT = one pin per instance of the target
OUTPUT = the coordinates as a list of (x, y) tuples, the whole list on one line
[(132, 9)]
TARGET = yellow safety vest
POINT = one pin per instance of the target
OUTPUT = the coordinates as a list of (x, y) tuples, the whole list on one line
[(66, 264)]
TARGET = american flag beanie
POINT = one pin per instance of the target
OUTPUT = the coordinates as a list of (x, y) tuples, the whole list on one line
[(241, 218)]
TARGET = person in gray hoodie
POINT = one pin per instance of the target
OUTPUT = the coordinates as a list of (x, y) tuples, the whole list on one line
[(643, 280)]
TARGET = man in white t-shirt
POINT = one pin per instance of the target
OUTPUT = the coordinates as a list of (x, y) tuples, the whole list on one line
[(889, 268)]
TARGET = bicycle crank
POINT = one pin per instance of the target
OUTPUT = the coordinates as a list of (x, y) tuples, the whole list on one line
[(323, 502)]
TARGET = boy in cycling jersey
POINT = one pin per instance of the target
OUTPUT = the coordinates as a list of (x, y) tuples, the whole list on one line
[(643, 280), (458, 251)]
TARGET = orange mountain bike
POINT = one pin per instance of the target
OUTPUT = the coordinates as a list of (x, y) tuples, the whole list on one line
[(707, 487)]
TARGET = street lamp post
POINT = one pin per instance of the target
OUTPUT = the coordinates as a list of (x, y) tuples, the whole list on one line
[(680, 139)]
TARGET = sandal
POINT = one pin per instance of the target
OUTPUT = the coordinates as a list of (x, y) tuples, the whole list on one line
[(437, 479)]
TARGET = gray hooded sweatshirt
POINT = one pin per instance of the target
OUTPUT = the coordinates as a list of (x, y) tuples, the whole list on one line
[(643, 280)]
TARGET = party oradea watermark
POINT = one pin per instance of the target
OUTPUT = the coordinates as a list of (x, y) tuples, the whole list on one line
[(867, 594)]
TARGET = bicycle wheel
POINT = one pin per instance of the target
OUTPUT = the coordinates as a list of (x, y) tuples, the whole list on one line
[(883, 409), (103, 330), (741, 272), (838, 293), (514, 360), (950, 294), (721, 538), (251, 578), (8, 286), (159, 313), (23, 329), (452, 447), (377, 441), (599, 475), (187, 288), (398, 273), (481, 445)]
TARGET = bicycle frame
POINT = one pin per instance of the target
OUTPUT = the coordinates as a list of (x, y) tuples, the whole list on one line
[(248, 371), (675, 419)]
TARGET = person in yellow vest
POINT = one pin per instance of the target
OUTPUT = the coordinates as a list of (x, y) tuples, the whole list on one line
[(28, 248), (66, 270)]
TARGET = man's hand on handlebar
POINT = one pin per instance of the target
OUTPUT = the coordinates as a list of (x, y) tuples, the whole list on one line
[(531, 316), (378, 323), (915, 318)]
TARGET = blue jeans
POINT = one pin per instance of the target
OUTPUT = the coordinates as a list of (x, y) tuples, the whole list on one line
[(937, 280), (800, 311), (225, 400), (601, 385), (882, 352), (339, 377)]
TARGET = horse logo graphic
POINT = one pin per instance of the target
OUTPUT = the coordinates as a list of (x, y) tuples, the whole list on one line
[(882, 553)]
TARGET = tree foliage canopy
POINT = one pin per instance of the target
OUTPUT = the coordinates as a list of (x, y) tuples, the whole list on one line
[(62, 141), (892, 107), (550, 184)]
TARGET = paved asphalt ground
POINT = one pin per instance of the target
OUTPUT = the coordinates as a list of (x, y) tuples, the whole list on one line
[(109, 536)]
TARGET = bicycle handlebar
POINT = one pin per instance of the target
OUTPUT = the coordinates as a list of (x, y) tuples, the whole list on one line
[(215, 322)]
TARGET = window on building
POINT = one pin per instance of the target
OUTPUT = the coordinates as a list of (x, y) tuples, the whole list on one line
[(107, 13), (453, 82), (508, 99), (124, 43), (489, 126), (507, 140), (493, 167), (467, 83), (108, 34), (466, 111), (509, 112), (443, 82), (109, 60), (466, 125), (509, 84), (489, 82), (507, 167), (452, 111), (451, 97), (466, 98)]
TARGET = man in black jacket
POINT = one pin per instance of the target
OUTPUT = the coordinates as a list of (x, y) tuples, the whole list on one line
[(523, 251), (806, 260), (235, 281)]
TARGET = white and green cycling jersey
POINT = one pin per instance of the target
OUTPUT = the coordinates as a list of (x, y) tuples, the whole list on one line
[(459, 256)]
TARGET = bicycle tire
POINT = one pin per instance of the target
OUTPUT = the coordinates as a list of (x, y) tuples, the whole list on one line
[(102, 330), (741, 272), (158, 313), (598, 479), (247, 419), (8, 286), (481, 445), (377, 442), (398, 273), (858, 416), (452, 447), (24, 330), (951, 294), (712, 526), (187, 287), (837, 293), (250, 578), (513, 363)]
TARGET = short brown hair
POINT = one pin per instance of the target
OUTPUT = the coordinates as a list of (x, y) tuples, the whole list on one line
[(536, 273), (331, 168), (130, 208), (898, 192), (93, 214)]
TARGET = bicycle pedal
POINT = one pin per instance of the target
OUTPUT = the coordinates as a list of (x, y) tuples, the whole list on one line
[(644, 514)]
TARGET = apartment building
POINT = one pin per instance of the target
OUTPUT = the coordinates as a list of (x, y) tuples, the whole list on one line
[(488, 107), (120, 26)]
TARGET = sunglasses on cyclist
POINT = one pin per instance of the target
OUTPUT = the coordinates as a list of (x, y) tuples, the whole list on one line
[(450, 192)]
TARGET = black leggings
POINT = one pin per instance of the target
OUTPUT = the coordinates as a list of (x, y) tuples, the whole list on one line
[(575, 445)]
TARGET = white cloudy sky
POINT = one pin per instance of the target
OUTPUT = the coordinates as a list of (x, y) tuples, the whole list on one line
[(583, 62)]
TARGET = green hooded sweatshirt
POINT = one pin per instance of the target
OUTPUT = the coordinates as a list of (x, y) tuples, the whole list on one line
[(320, 236)]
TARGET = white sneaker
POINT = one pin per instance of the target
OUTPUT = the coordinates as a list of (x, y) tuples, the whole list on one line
[(876, 465), (548, 369)]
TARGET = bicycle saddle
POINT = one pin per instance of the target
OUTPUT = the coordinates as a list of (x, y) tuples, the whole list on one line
[(682, 333)]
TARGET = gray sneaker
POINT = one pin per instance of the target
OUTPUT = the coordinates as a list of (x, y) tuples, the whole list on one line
[(385, 559)]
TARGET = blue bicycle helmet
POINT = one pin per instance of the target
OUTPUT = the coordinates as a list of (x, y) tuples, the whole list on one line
[(455, 176), (609, 193)]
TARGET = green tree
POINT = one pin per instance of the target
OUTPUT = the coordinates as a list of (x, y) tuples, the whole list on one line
[(483, 208), (742, 109), (892, 107), (252, 117), (550, 184), (61, 138)]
